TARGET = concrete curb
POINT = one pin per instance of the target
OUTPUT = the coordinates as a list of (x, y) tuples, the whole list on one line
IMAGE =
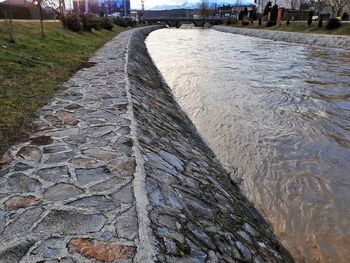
[(146, 248)]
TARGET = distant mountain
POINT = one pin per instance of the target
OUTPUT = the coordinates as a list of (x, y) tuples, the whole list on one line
[(169, 7), (187, 5)]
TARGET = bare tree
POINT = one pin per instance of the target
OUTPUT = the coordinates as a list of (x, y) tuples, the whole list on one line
[(305, 5), (8, 22), (337, 6), (62, 11), (204, 8), (261, 4), (321, 6), (294, 4), (41, 4)]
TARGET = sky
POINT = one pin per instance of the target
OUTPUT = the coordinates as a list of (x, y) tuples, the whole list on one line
[(136, 4), (152, 3)]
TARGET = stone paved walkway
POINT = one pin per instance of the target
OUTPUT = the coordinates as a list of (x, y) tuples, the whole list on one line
[(114, 171), (67, 194)]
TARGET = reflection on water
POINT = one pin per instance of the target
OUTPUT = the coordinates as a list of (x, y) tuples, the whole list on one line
[(280, 115)]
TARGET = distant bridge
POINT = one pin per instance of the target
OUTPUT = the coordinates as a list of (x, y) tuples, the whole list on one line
[(178, 21)]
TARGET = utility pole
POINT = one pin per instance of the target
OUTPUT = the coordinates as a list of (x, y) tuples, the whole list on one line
[(142, 9), (86, 7)]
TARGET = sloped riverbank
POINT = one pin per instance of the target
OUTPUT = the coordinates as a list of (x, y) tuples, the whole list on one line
[(114, 171), (291, 37), (197, 213)]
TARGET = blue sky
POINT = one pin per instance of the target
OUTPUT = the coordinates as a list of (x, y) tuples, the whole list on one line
[(136, 4), (152, 3)]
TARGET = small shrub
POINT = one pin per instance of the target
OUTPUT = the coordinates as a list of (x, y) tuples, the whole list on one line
[(130, 22), (274, 12), (345, 17), (245, 21), (230, 21), (227, 21), (320, 21), (267, 8), (245, 11), (90, 22), (240, 15), (253, 14), (106, 23), (73, 23), (333, 23), (119, 21), (271, 23), (309, 21), (273, 16)]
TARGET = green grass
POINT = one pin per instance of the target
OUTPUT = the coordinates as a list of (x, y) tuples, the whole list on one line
[(32, 69), (301, 26)]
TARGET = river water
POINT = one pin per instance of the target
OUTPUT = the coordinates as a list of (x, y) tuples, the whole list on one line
[(277, 115)]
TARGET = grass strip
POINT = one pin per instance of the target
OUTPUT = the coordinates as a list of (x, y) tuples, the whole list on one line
[(32, 69)]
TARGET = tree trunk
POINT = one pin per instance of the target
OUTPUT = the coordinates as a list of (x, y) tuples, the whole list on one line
[(63, 14), (9, 26), (41, 19)]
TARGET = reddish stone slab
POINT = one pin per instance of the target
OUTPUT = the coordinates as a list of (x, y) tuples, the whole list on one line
[(101, 251)]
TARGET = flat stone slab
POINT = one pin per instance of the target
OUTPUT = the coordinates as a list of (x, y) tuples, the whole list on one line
[(62, 191), (101, 251), (93, 175), (54, 174), (61, 222), (20, 183)]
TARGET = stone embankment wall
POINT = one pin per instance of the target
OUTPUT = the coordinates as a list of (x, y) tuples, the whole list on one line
[(197, 213), (291, 37)]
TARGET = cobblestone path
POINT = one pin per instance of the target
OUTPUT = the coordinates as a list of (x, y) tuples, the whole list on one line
[(113, 171), (66, 194)]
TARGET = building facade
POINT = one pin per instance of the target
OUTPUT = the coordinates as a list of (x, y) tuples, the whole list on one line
[(228, 10), (108, 7), (287, 4)]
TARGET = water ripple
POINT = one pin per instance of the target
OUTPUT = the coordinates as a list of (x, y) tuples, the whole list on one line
[(278, 116)]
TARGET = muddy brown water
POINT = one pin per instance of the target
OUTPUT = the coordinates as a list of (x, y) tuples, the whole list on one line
[(277, 115)]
